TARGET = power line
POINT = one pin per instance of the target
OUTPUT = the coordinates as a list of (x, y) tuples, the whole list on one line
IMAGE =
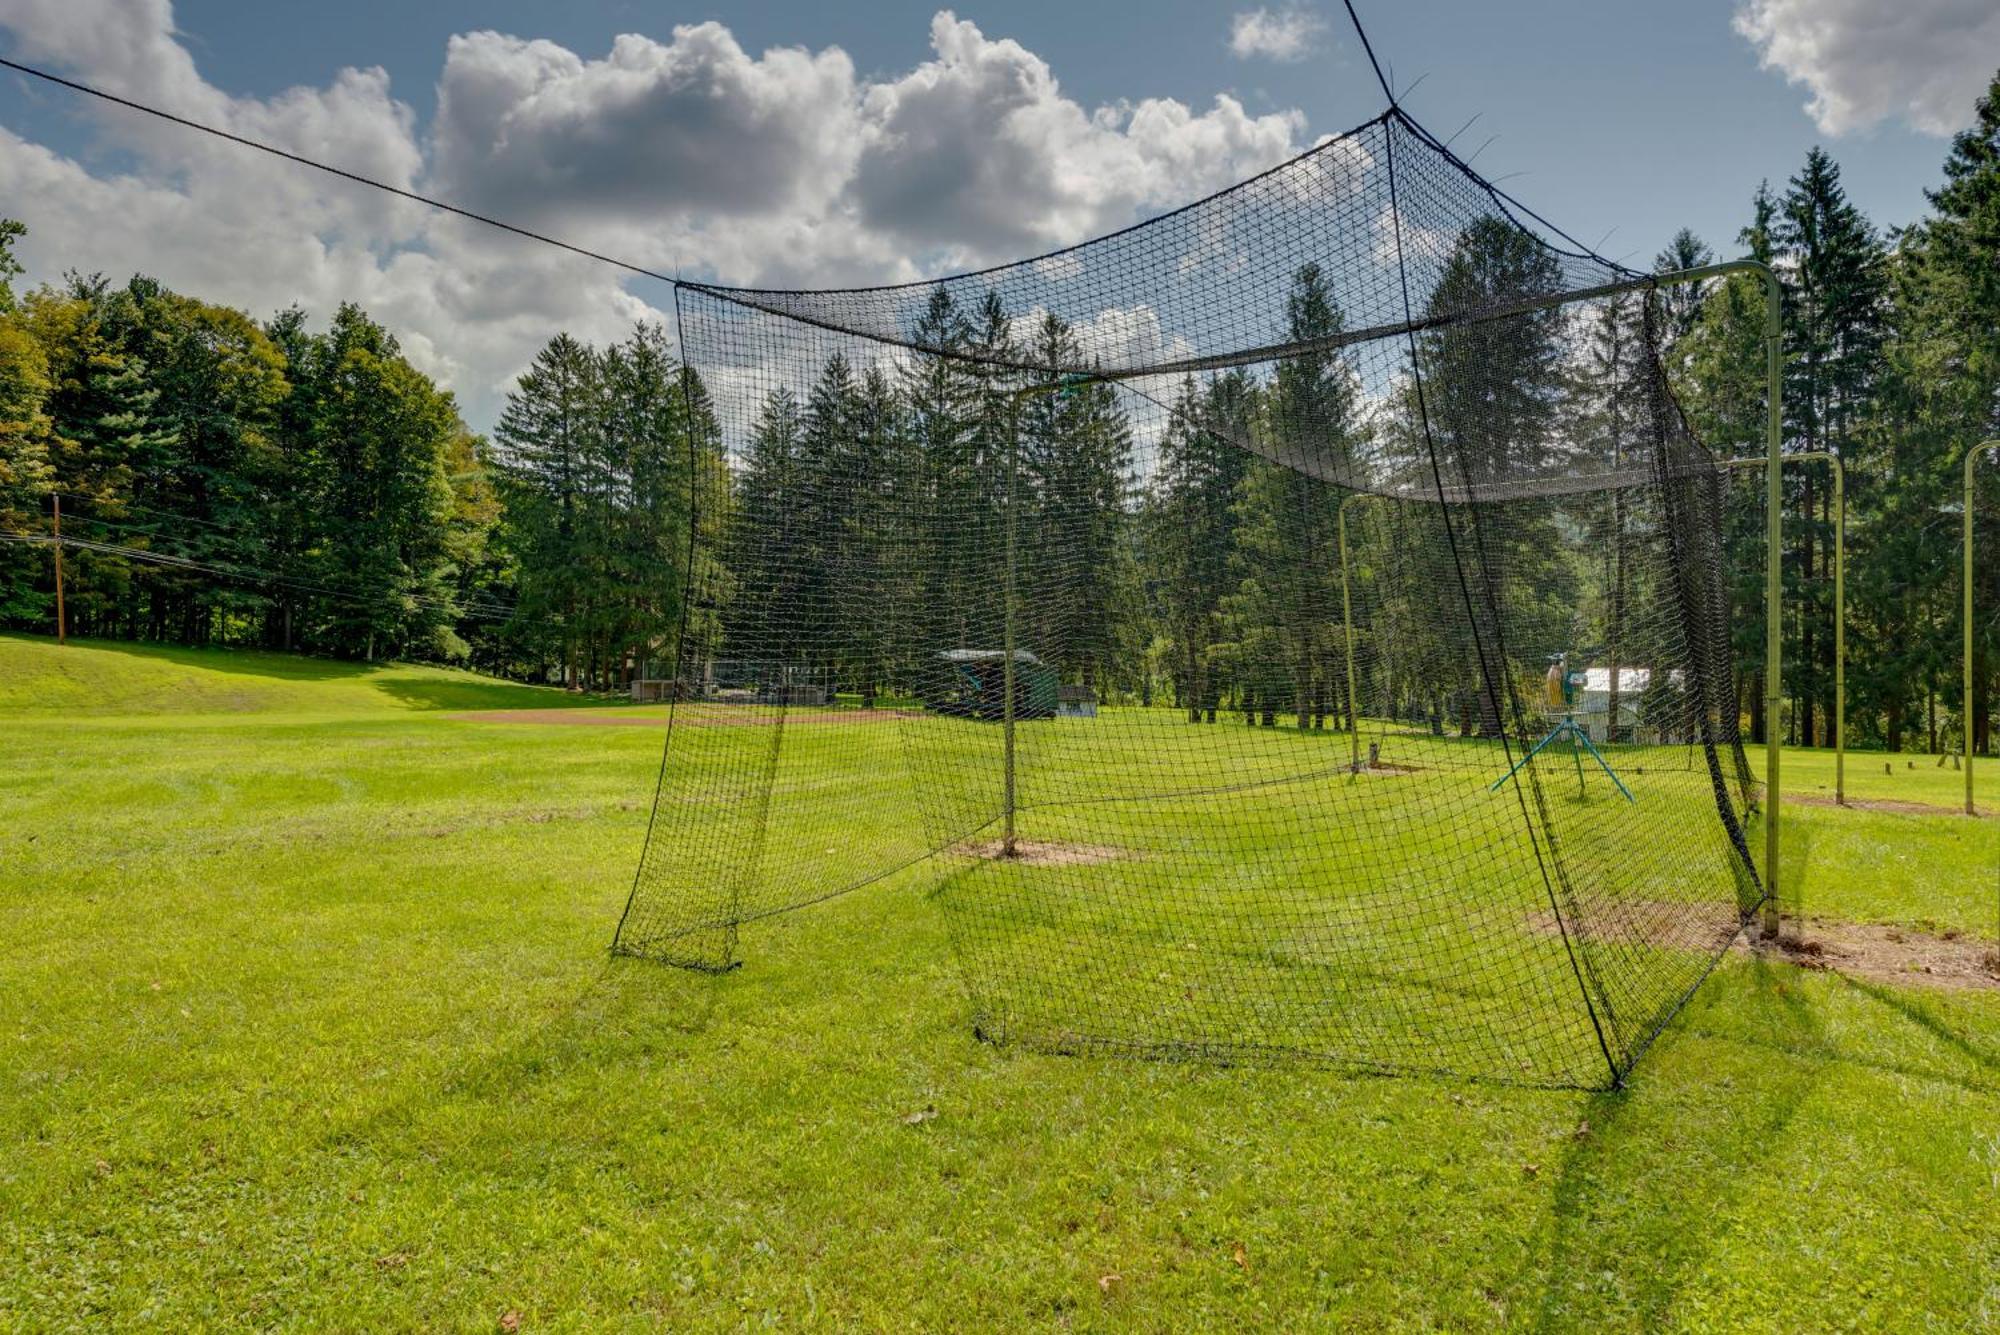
[(341, 172)]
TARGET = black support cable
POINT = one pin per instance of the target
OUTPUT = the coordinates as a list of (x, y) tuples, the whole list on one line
[(1369, 48)]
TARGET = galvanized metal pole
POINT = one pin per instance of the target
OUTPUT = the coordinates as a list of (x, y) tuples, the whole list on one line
[(1007, 646), (1965, 720), (1839, 630), (1774, 584), (1839, 602), (1347, 625)]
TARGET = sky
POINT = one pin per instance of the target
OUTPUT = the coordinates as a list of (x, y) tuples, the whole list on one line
[(796, 143)]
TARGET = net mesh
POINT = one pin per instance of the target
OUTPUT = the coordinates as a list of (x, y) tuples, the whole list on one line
[(1294, 626)]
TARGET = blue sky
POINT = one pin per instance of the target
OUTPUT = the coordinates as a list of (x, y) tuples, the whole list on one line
[(1620, 122)]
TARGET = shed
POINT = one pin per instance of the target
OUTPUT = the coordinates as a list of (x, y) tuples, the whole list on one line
[(971, 683), (1593, 700)]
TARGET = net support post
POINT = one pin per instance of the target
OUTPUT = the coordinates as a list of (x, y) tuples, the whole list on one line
[(1010, 599), (1347, 628), (1965, 722), (1774, 645)]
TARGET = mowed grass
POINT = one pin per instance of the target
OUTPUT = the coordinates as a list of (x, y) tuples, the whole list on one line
[(306, 1020)]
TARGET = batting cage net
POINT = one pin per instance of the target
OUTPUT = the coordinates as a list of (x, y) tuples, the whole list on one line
[(1293, 626)]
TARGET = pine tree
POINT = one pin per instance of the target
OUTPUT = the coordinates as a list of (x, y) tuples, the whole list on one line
[(1681, 303), (1191, 530), (1285, 612), (1492, 390), (1832, 266), (546, 442)]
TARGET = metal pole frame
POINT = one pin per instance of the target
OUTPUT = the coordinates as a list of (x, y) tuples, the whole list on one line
[(1839, 603), (1774, 439), (1007, 789), (1965, 723), (1347, 630)]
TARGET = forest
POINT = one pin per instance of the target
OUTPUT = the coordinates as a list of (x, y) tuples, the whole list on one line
[(225, 480)]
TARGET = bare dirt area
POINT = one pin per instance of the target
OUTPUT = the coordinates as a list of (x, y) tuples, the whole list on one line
[(1656, 922), (1036, 853), (1901, 956), (712, 716), (1897, 806)]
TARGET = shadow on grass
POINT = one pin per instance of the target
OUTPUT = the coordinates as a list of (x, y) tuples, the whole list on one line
[(419, 692), (242, 662), (1645, 1193), (1919, 1012), (598, 1025), (1653, 1166)]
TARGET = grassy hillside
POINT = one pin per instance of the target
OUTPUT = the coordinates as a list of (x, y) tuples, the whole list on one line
[(105, 678)]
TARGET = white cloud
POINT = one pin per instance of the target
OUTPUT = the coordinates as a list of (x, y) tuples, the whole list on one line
[(977, 153), (1866, 61), (1400, 240), (783, 168), (1290, 33)]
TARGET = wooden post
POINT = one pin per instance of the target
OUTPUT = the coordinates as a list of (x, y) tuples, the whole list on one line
[(62, 629)]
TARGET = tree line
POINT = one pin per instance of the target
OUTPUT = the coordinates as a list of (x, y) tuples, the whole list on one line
[(263, 483), (224, 481)]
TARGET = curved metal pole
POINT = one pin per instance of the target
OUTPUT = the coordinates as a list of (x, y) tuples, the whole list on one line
[(1965, 721), (1839, 603)]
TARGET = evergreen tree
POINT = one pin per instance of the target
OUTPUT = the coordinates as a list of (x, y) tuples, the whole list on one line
[(1963, 310), (1284, 616), (1832, 265), (383, 438), (546, 450), (1492, 391), (770, 510), (1191, 529), (1076, 572), (1681, 303)]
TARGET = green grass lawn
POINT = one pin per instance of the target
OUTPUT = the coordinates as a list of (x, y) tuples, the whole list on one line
[(307, 1020)]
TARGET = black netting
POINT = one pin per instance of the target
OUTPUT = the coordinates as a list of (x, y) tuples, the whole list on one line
[(1295, 625)]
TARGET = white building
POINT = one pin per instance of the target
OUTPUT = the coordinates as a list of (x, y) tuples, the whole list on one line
[(1593, 700)]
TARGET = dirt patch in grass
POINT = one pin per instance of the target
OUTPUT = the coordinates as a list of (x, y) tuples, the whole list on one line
[(1043, 853), (1383, 767), (1899, 955), (1898, 806), (1653, 922), (718, 716), (1903, 956)]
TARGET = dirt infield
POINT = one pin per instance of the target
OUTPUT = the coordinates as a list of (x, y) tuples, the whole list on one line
[(689, 716)]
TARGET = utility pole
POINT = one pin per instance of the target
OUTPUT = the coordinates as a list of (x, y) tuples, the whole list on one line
[(62, 632)]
